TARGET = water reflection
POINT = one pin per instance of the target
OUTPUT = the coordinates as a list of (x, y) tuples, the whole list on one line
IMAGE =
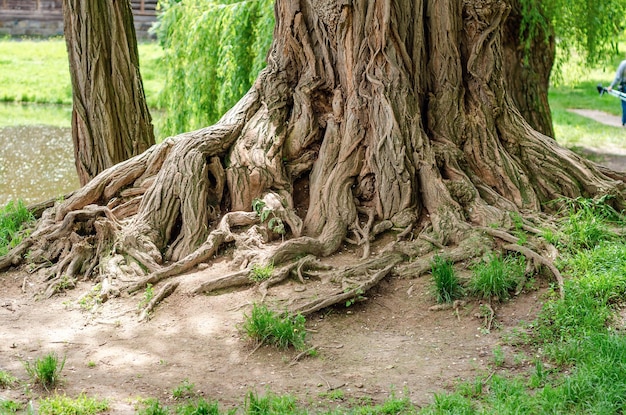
[(36, 163)]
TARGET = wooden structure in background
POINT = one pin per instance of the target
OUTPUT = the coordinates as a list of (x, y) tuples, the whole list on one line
[(45, 17)]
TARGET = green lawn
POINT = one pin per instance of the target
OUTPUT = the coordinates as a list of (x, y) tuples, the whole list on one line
[(36, 71), (579, 90)]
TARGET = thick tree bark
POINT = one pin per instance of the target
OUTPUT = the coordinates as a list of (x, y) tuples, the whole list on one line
[(527, 71), (110, 118), (393, 115)]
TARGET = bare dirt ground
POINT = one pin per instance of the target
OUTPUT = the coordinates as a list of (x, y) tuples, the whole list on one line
[(390, 342)]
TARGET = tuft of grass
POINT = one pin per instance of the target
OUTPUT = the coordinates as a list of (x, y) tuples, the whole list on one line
[(271, 404), (200, 407), (261, 273), (152, 406), (10, 407), (14, 217), (6, 379), (499, 357), (148, 295), (183, 390), (266, 326), (450, 404), (45, 370), (447, 287), (63, 405), (588, 223), (496, 277)]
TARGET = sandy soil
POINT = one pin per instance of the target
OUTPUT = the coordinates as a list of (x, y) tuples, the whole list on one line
[(389, 342)]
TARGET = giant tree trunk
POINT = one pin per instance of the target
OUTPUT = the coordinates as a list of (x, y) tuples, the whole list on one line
[(371, 117), (110, 118)]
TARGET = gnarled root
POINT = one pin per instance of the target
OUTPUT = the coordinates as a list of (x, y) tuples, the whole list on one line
[(307, 263), (166, 291), (375, 270), (215, 239)]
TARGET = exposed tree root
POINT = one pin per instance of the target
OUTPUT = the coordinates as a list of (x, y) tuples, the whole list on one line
[(166, 291), (207, 250), (364, 121), (306, 263), (359, 289), (236, 279)]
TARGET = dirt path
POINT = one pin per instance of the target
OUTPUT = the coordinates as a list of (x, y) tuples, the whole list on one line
[(613, 157), (599, 116), (389, 342)]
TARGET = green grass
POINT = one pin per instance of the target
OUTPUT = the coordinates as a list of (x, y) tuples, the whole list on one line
[(276, 404), (586, 223), (37, 72), (578, 341), (495, 277), (63, 405), (6, 379), (183, 390), (266, 326), (447, 286), (579, 91), (9, 406), (261, 273), (45, 370), (14, 217)]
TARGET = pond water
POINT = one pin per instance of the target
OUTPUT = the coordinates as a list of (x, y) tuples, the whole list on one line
[(36, 163)]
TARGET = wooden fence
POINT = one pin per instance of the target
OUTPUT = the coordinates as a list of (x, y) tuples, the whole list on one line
[(140, 7), (45, 17)]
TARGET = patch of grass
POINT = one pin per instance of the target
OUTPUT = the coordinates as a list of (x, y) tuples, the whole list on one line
[(6, 379), (14, 217), (92, 299), (496, 277), (45, 370), (148, 295), (266, 326), (183, 390), (63, 405), (261, 273), (152, 406), (200, 407), (271, 404), (447, 286), (8, 406), (334, 395), (450, 404), (498, 357), (587, 223)]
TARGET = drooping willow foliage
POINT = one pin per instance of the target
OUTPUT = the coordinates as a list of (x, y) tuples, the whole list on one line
[(590, 28), (214, 50)]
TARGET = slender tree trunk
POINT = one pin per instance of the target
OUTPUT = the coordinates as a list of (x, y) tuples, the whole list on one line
[(110, 118)]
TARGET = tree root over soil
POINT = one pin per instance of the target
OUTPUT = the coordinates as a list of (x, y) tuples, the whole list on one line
[(365, 127)]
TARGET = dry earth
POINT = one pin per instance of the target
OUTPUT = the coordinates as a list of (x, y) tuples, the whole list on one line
[(390, 342)]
